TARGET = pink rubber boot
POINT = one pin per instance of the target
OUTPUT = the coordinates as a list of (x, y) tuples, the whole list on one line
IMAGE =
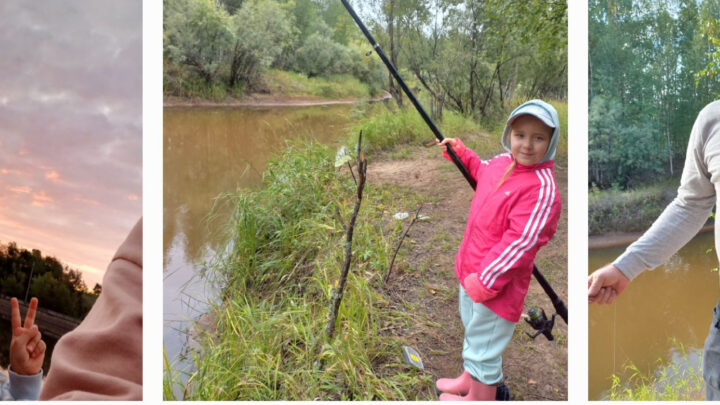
[(478, 392), (459, 385)]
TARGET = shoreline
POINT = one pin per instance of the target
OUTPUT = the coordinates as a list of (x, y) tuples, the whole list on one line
[(614, 239), (265, 100)]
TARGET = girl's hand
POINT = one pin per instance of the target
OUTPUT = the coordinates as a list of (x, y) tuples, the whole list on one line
[(475, 290), (446, 141), (27, 349), (455, 143)]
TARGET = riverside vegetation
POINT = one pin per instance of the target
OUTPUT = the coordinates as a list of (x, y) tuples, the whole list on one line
[(680, 380), (285, 256)]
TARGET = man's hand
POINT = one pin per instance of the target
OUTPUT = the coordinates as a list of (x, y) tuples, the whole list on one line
[(606, 284), (27, 349)]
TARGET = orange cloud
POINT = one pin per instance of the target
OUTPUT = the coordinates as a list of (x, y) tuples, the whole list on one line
[(23, 190), (53, 176), (133, 197), (23, 152), (41, 197)]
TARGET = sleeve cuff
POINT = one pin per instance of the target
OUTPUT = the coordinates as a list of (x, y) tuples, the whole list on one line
[(630, 265), (476, 290), (25, 387)]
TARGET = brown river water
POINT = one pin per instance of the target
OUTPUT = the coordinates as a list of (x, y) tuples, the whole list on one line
[(659, 311), (209, 151)]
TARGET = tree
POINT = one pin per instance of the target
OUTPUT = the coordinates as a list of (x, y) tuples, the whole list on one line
[(198, 34), (263, 30)]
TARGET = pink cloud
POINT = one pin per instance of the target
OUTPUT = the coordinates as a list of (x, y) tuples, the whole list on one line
[(22, 190), (53, 176), (87, 201), (40, 198), (133, 197)]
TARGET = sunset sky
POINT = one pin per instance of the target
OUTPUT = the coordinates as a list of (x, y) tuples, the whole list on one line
[(70, 128)]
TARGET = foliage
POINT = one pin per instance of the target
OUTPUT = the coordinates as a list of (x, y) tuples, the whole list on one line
[(57, 287), (680, 380), (710, 30), (620, 151), (262, 30), (499, 50), (335, 86), (616, 210), (645, 93), (198, 34), (217, 49), (286, 255), (321, 55)]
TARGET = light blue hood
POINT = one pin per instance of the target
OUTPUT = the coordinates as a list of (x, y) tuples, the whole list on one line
[(544, 112)]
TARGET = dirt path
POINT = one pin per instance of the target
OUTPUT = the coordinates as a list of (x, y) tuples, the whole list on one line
[(534, 370), (267, 100)]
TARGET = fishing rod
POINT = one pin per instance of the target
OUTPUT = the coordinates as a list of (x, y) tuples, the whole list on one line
[(559, 305)]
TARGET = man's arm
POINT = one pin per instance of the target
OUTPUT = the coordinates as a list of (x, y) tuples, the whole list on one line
[(686, 214)]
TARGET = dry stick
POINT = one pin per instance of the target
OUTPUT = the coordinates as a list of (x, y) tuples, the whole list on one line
[(338, 291), (387, 276), (351, 172), (339, 218)]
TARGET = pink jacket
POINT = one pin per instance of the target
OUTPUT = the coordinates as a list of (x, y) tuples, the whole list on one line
[(506, 227)]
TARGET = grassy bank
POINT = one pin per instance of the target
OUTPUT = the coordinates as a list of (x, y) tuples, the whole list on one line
[(628, 210), (270, 342), (679, 380), (285, 258), (276, 83)]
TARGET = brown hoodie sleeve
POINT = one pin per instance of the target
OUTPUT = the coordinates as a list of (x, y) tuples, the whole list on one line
[(102, 358)]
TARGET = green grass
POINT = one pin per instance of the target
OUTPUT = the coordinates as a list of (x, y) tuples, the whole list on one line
[(186, 84), (628, 210), (680, 380), (384, 129), (286, 256), (335, 86)]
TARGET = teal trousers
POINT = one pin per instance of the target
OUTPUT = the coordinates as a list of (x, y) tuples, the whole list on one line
[(486, 337)]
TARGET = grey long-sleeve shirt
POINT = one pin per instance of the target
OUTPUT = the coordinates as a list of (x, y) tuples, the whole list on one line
[(699, 191)]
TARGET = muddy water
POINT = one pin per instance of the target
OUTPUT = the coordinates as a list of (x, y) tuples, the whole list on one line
[(672, 302), (207, 152)]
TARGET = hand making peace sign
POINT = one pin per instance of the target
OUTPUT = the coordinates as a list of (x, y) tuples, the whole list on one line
[(27, 349)]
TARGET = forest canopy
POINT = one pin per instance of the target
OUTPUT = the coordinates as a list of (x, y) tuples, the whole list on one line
[(57, 287), (653, 66), (475, 57)]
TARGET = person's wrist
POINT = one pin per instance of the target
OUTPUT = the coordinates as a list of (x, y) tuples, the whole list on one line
[(23, 370)]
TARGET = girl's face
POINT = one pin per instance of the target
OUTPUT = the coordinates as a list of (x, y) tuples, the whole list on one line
[(529, 139)]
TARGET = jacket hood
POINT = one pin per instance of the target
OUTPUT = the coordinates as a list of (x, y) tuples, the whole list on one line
[(542, 111)]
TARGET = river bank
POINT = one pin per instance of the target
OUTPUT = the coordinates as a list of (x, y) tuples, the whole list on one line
[(269, 100), (614, 239), (285, 261)]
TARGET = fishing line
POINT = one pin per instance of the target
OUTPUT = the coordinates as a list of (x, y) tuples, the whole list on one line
[(614, 334)]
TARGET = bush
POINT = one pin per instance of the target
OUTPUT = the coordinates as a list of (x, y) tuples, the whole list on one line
[(616, 210)]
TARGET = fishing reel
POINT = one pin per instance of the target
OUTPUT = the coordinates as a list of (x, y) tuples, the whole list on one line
[(539, 321)]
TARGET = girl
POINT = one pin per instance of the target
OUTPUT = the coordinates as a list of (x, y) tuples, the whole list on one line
[(514, 212)]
